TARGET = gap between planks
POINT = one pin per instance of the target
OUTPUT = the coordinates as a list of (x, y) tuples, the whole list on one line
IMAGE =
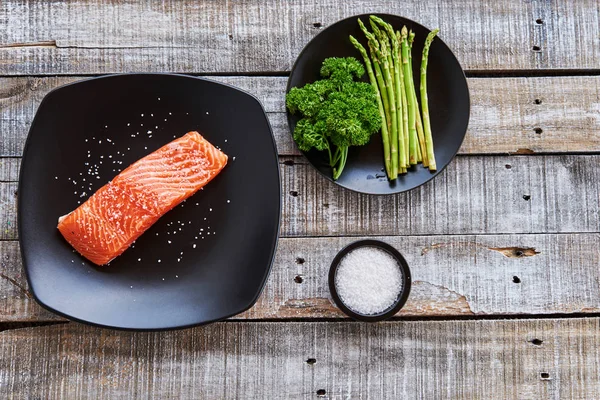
[(491, 74), (7, 326)]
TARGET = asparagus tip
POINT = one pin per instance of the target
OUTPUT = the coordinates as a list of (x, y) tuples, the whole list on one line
[(431, 36)]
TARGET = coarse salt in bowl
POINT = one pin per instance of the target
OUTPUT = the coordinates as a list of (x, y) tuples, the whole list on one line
[(369, 280)]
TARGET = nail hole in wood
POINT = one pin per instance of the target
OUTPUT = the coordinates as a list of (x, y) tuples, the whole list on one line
[(293, 193), (516, 279), (536, 342), (230, 37), (537, 101), (300, 260), (539, 21), (538, 130), (311, 361), (518, 253), (317, 25), (526, 197), (321, 392), (298, 279), (508, 166), (289, 162), (545, 375), (536, 48)]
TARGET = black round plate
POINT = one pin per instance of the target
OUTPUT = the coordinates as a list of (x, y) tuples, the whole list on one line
[(449, 105), (402, 296), (222, 239)]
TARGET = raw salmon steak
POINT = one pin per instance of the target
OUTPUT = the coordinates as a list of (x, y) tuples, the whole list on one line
[(119, 212)]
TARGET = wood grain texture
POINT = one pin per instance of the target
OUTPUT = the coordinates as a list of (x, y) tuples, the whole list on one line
[(452, 276), (474, 195), (8, 210), (504, 112), (9, 169), (88, 36), (394, 360)]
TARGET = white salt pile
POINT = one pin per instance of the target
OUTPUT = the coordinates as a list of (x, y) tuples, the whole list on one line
[(368, 280)]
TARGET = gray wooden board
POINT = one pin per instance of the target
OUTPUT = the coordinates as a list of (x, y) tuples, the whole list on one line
[(504, 114), (89, 37), (474, 195), (394, 360), (452, 276)]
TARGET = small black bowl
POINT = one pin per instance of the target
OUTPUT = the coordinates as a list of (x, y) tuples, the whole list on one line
[(406, 279)]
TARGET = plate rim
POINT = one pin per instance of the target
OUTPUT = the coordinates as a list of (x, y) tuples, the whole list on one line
[(289, 115), (159, 327)]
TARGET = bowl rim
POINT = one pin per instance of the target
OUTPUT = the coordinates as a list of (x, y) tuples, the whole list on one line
[(402, 264)]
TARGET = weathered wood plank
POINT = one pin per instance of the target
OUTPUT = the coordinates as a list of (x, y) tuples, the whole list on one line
[(8, 210), (474, 195), (452, 276), (442, 359), (504, 117), (88, 37), (9, 169), (517, 194)]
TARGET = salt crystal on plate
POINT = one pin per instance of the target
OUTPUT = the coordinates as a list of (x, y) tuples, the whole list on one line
[(368, 280)]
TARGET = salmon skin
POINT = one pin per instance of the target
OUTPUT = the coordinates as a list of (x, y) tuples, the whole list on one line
[(109, 221)]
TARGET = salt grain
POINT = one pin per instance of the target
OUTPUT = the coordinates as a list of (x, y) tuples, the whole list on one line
[(368, 280)]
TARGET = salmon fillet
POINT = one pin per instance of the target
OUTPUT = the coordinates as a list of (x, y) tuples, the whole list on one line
[(109, 221)]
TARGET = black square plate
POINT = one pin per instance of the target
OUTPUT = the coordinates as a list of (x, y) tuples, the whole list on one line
[(205, 260)]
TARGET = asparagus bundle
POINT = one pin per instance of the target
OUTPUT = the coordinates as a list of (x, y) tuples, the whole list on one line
[(406, 134)]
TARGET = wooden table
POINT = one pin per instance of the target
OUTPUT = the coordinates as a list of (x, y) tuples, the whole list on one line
[(503, 246)]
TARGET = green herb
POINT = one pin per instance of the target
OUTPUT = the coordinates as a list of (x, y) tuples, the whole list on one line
[(338, 112)]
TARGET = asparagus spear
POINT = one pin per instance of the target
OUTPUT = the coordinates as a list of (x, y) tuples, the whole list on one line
[(373, 80), (383, 57), (404, 104), (412, 129), (397, 68), (379, 56), (373, 48), (425, 100), (422, 153)]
